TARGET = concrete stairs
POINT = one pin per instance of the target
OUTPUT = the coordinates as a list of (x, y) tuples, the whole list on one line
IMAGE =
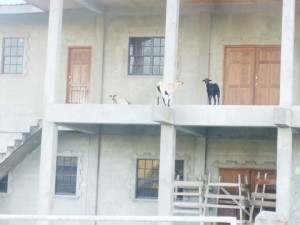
[(21, 148)]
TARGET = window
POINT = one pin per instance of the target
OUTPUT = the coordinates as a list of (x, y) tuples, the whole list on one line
[(4, 184), (146, 55), (12, 55), (66, 175), (148, 174)]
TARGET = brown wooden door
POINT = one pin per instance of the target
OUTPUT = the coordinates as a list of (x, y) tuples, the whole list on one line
[(267, 76), (78, 81), (239, 73), (252, 75), (231, 176)]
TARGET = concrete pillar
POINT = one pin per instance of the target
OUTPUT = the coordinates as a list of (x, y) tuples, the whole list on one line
[(53, 51), (47, 168), (50, 129), (166, 169), (284, 171), (200, 157), (285, 135), (97, 62), (171, 41)]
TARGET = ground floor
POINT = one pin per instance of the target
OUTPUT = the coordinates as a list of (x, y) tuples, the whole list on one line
[(117, 172)]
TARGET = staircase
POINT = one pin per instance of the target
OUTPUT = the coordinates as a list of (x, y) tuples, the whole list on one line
[(21, 148)]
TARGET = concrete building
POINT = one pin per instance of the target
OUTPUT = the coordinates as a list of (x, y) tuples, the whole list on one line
[(85, 155)]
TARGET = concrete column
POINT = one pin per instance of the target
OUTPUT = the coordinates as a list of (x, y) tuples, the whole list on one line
[(47, 168), (287, 53), (284, 171), (171, 41), (50, 129), (200, 157), (97, 62), (285, 135), (166, 169), (53, 51)]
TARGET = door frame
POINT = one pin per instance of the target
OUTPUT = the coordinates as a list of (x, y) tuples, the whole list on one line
[(242, 46), (69, 68)]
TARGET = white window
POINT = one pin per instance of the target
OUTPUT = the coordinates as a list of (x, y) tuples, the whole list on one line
[(146, 55), (12, 55), (66, 175)]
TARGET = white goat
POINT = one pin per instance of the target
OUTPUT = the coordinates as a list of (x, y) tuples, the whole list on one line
[(119, 101), (166, 90)]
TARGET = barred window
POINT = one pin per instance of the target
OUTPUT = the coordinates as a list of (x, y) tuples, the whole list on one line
[(148, 175), (146, 55), (4, 184), (12, 55), (66, 175)]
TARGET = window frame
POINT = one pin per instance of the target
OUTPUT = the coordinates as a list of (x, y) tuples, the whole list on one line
[(151, 56), (10, 56), (139, 197), (7, 185), (25, 36), (65, 194)]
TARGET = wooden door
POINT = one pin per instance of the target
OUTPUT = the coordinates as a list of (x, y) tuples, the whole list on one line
[(231, 176), (251, 75), (78, 81), (267, 76), (239, 73)]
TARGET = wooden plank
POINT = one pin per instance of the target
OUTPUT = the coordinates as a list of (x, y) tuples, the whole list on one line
[(187, 211), (222, 206), (264, 195), (265, 182), (188, 184), (197, 194), (263, 203), (229, 185), (189, 205), (219, 196)]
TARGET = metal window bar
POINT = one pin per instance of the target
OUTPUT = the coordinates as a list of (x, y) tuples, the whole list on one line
[(196, 219)]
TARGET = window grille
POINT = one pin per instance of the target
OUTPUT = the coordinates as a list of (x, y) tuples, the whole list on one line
[(12, 55)]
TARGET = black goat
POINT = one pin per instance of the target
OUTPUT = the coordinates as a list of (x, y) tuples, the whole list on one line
[(213, 90)]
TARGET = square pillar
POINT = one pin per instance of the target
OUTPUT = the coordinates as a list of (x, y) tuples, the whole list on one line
[(285, 135), (47, 169), (50, 129), (171, 41), (284, 171), (166, 170)]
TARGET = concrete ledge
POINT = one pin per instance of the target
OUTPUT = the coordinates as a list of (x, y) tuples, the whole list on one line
[(225, 115), (99, 114), (282, 117), (162, 114)]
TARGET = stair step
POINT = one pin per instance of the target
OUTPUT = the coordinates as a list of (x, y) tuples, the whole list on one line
[(33, 129), (10, 149), (18, 143), (25, 136)]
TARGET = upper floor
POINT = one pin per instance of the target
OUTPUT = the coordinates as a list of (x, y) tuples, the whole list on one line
[(118, 47)]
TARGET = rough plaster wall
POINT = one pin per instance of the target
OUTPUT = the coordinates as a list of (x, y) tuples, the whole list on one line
[(86, 27), (21, 96), (240, 152), (136, 89), (23, 190), (142, 88), (240, 29), (22, 196), (118, 171)]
